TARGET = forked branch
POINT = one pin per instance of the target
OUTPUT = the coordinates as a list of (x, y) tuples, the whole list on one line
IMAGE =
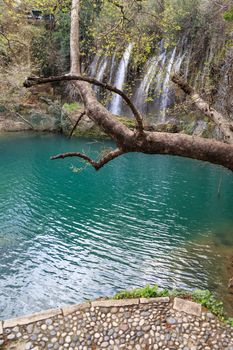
[(96, 164)]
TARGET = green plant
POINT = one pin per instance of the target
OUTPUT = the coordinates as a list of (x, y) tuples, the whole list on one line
[(70, 107), (179, 293), (207, 299), (146, 292), (203, 297), (228, 15)]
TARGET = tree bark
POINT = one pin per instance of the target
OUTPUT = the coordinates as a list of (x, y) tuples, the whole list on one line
[(224, 125), (74, 38)]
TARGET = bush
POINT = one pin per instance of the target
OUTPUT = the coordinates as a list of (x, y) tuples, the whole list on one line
[(203, 297)]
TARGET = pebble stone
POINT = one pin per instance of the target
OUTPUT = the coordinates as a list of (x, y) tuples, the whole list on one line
[(148, 326)]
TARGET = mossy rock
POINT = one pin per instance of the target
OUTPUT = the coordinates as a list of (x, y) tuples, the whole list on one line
[(86, 127), (129, 122)]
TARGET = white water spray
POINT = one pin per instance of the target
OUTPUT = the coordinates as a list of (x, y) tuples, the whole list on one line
[(116, 103)]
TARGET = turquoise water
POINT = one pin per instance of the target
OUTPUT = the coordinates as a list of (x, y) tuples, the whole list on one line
[(66, 236)]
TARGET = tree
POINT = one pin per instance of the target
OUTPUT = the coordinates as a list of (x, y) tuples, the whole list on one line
[(138, 140)]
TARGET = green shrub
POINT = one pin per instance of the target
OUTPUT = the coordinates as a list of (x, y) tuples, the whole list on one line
[(207, 299), (203, 297), (228, 15), (146, 292)]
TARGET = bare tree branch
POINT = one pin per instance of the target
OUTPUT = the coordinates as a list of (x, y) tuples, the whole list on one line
[(96, 164), (76, 124), (224, 125), (37, 80)]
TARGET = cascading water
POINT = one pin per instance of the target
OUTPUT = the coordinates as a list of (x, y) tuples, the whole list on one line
[(160, 76), (166, 89), (115, 106), (178, 63), (155, 82), (100, 71), (142, 93), (93, 66), (143, 90), (113, 62)]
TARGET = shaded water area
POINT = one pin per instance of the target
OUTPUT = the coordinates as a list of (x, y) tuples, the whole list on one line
[(67, 236)]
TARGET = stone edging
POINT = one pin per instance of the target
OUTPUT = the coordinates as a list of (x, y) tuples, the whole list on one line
[(181, 305)]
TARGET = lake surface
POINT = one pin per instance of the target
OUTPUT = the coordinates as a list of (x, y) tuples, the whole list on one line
[(67, 236)]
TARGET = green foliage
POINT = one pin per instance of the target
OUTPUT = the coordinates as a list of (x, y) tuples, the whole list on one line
[(179, 293), (207, 299), (129, 122), (71, 107), (146, 292), (203, 297), (228, 15)]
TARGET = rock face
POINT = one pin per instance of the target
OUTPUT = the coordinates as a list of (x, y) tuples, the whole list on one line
[(86, 126), (44, 116)]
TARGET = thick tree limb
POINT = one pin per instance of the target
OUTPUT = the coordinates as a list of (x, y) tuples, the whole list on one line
[(37, 80), (96, 164), (167, 144), (224, 125), (149, 142)]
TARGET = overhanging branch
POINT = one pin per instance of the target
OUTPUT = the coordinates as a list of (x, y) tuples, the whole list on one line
[(96, 164), (224, 125), (37, 81)]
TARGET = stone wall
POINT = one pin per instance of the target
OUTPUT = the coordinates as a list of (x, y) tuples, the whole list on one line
[(131, 324)]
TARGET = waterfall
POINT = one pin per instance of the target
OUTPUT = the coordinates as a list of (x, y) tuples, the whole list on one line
[(160, 75), (178, 62), (93, 66), (112, 68), (144, 87), (165, 88), (101, 69), (115, 106), (99, 74), (155, 81)]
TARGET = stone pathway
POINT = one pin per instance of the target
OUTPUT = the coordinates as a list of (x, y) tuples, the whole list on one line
[(134, 324)]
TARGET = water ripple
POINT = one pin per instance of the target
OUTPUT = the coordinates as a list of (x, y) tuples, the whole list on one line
[(68, 237)]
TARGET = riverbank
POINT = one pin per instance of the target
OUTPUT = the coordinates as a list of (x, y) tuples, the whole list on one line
[(46, 114), (155, 323)]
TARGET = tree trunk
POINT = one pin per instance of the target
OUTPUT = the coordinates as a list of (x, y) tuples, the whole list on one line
[(74, 38)]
